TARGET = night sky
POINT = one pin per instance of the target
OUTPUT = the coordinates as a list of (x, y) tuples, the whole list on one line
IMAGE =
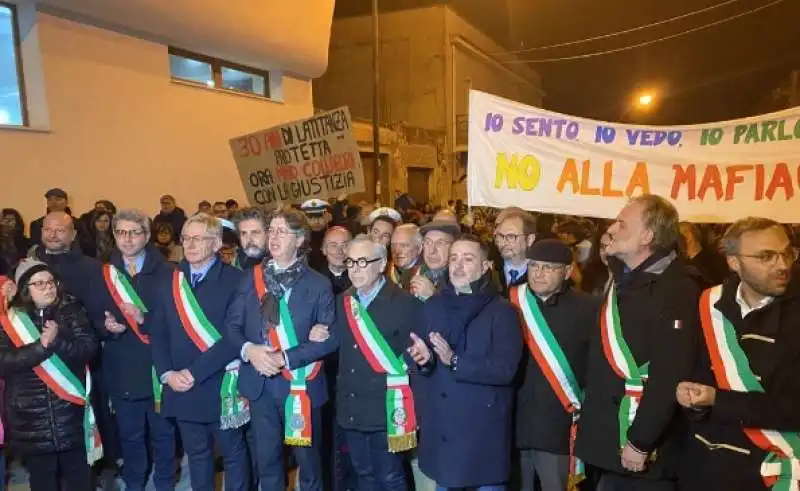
[(723, 72)]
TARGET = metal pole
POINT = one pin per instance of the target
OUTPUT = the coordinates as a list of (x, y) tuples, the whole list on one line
[(376, 97)]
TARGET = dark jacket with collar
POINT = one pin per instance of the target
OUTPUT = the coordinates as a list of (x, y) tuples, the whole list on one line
[(174, 350), (360, 391), (78, 274), (720, 455), (466, 415), (338, 283), (127, 361), (653, 300), (311, 302), (502, 280), (542, 421)]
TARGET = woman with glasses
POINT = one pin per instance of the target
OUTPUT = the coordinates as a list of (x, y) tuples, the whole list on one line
[(281, 376), (45, 343)]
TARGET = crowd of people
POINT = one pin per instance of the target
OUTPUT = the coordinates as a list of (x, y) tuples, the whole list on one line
[(395, 348)]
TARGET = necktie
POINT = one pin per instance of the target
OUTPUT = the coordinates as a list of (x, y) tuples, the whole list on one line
[(513, 275), (132, 269), (196, 277)]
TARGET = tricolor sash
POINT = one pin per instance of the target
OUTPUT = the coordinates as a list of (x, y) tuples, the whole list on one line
[(58, 377), (781, 467), (401, 419), (123, 292), (553, 363), (297, 414), (621, 359), (234, 410)]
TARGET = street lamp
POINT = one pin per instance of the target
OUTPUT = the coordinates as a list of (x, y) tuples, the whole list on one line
[(646, 99)]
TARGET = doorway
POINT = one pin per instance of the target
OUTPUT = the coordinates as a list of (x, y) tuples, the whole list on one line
[(419, 184)]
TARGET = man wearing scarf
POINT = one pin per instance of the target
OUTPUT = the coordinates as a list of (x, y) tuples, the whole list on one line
[(742, 400), (406, 251), (630, 428), (374, 403), (196, 362), (465, 393), (437, 237), (280, 301), (556, 324)]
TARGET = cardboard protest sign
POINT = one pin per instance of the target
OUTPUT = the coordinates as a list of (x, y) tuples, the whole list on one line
[(544, 161), (291, 163)]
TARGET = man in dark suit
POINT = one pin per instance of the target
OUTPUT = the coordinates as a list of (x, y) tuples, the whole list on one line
[(515, 231), (333, 246), (195, 361), (278, 304), (373, 324), (742, 399)]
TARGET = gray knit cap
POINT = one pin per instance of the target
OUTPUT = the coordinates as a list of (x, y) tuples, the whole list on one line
[(28, 266)]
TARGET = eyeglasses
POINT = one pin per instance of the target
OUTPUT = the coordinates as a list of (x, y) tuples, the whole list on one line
[(362, 262), (42, 285), (768, 258), (195, 239), (280, 232), (128, 233), (510, 238), (439, 244), (546, 268)]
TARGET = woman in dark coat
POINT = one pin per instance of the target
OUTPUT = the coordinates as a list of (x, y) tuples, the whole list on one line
[(98, 240), (41, 426), (465, 397)]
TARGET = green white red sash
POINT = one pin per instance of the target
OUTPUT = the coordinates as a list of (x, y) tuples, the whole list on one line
[(781, 467), (553, 363), (234, 410), (623, 363), (297, 414), (401, 419), (58, 377), (122, 292)]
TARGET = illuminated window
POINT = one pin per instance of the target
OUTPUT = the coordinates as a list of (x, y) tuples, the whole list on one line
[(12, 107), (218, 74)]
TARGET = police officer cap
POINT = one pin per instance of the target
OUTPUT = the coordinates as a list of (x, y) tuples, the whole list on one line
[(314, 206), (550, 251), (387, 212)]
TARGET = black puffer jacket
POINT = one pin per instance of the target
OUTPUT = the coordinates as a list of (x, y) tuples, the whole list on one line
[(36, 420)]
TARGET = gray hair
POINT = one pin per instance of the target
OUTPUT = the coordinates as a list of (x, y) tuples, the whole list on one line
[(378, 249), (733, 235), (212, 224), (413, 229), (661, 217), (251, 213), (131, 215)]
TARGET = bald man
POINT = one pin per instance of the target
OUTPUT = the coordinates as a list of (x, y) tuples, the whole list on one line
[(445, 215)]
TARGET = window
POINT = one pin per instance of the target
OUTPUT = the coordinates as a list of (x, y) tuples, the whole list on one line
[(12, 108), (215, 73)]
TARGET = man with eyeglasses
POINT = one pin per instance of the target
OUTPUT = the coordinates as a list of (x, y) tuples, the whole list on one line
[(557, 322), (631, 429), (515, 231), (382, 223), (437, 238), (742, 398), (136, 273), (374, 403), (196, 362)]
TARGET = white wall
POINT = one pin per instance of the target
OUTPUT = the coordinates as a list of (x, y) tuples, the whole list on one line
[(119, 129)]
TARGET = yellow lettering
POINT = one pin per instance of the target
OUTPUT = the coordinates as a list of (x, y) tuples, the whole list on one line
[(524, 172)]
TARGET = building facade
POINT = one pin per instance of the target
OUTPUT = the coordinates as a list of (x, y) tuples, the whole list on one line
[(123, 100), (430, 59)]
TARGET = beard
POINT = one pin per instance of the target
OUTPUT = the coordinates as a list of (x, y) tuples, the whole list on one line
[(772, 285)]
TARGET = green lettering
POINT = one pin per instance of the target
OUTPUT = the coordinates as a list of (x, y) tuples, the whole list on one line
[(738, 132), (768, 131), (752, 134), (782, 136)]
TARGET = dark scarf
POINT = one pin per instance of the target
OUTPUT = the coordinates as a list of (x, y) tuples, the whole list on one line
[(463, 308), (436, 276), (277, 283)]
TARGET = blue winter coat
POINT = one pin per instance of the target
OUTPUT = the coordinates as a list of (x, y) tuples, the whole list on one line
[(174, 350), (311, 302), (127, 361), (466, 414)]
